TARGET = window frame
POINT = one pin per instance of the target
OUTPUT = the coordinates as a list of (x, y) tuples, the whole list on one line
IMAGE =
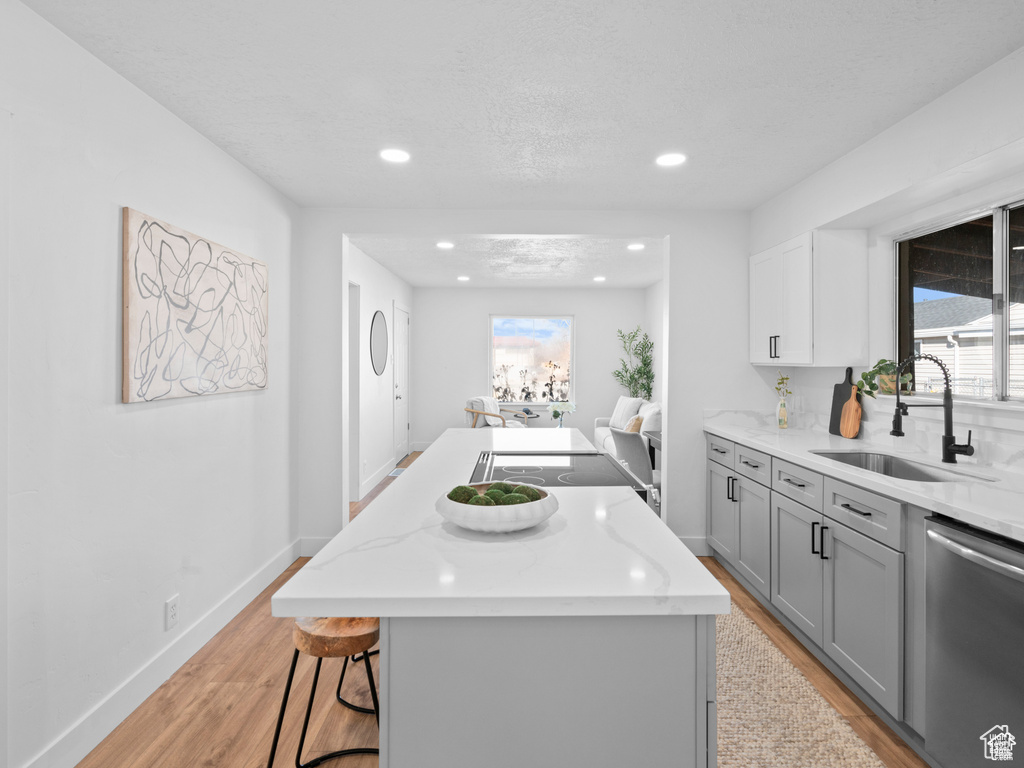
[(535, 316), (1000, 213)]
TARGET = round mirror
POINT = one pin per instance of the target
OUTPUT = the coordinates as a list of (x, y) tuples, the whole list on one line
[(379, 342)]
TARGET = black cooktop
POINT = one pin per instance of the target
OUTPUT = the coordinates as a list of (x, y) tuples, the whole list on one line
[(552, 469)]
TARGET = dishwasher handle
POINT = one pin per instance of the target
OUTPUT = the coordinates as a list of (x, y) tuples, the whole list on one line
[(979, 558)]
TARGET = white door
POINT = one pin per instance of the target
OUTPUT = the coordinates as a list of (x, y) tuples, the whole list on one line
[(401, 383)]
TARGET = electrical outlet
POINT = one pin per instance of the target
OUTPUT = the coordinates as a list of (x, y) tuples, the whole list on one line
[(171, 613)]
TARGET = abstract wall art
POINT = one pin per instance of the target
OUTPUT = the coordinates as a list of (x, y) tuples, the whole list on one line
[(194, 315)]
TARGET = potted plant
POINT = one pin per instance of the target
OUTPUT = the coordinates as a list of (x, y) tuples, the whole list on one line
[(783, 391), (636, 372), (882, 377)]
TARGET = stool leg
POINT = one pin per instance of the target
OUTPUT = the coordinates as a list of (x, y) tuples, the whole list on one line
[(305, 723), (344, 666), (284, 703), (373, 688), (309, 710)]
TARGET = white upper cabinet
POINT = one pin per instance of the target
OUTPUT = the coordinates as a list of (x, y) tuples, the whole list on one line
[(808, 300)]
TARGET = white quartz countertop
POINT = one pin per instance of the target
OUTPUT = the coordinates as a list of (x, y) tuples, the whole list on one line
[(604, 552), (995, 504)]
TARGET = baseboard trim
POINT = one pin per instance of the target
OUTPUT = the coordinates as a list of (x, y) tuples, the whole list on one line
[(311, 545), (698, 545), (71, 747), (371, 482)]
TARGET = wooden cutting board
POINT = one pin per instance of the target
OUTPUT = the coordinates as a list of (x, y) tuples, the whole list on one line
[(840, 394), (849, 422)]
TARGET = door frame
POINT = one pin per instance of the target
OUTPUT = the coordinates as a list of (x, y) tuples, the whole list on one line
[(395, 308)]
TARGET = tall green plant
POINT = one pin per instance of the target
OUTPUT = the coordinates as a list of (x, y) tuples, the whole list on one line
[(636, 372)]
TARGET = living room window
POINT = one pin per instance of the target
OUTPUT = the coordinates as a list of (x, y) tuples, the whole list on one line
[(960, 297), (531, 359)]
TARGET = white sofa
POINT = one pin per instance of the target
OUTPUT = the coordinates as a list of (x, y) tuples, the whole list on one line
[(625, 409)]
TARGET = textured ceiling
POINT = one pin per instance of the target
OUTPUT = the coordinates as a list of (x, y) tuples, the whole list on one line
[(511, 261), (541, 103)]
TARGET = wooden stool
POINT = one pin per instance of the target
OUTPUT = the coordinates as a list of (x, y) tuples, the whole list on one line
[(330, 639)]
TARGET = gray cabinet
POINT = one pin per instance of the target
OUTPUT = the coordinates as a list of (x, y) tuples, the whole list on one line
[(721, 510), (753, 534), (845, 592), (862, 609), (739, 510), (797, 564)]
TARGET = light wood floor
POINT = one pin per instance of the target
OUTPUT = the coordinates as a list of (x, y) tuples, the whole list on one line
[(220, 708)]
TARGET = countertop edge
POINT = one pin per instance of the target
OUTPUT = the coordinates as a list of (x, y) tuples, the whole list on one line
[(973, 501)]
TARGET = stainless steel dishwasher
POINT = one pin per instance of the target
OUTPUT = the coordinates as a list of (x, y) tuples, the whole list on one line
[(974, 613)]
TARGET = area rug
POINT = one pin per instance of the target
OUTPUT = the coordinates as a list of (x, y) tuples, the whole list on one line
[(769, 714)]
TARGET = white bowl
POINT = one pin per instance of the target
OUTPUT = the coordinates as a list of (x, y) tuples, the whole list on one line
[(501, 518)]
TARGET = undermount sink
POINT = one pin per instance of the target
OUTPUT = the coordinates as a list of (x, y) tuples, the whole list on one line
[(897, 467)]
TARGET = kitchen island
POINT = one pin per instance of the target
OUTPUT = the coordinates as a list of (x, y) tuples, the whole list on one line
[(587, 640)]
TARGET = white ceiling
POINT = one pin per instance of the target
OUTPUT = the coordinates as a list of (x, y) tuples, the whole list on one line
[(535, 104), (511, 261)]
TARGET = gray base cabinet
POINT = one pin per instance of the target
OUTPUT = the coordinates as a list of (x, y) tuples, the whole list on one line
[(845, 592), (739, 511), (796, 564), (753, 534), (721, 510), (863, 612)]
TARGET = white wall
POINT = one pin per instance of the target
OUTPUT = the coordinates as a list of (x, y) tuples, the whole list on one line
[(656, 325), (450, 354), (705, 297), (114, 508), (961, 153), (5, 199), (379, 290)]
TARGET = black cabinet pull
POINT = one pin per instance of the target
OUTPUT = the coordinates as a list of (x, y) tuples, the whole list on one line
[(860, 512), (823, 529), (813, 550), (793, 482), (728, 488), (746, 463), (718, 450)]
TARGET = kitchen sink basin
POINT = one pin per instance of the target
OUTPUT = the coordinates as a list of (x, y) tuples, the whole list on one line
[(897, 467)]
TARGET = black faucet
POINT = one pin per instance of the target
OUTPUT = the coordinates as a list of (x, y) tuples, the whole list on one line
[(950, 449)]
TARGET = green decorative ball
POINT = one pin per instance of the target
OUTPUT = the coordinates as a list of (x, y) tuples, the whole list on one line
[(513, 498), (503, 487), (494, 494), (528, 491), (462, 494), (482, 501)]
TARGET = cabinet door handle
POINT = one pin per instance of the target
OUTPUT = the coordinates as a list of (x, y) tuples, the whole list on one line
[(746, 463), (823, 529), (728, 488), (860, 512), (718, 450), (813, 550), (793, 482)]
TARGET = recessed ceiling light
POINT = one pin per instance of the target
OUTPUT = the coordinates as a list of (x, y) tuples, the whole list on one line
[(598, 279), (463, 278), (670, 159), (394, 155), (635, 246), (444, 244)]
